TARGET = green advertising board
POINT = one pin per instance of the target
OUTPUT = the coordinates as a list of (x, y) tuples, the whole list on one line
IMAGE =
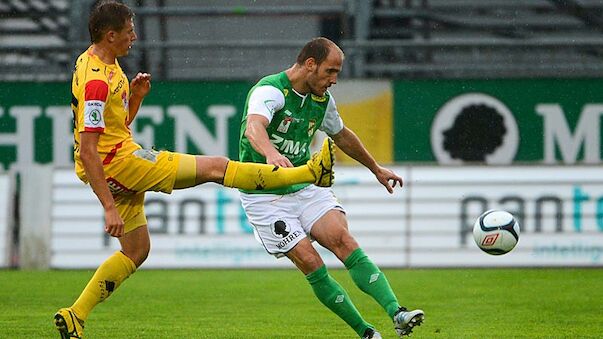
[(545, 121), (192, 117), (550, 121)]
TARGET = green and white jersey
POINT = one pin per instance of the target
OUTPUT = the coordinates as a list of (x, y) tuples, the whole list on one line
[(294, 119)]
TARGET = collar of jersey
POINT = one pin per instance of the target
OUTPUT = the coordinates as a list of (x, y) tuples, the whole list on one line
[(98, 60)]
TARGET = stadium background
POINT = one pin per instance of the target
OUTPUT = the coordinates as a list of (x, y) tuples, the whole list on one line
[(413, 71)]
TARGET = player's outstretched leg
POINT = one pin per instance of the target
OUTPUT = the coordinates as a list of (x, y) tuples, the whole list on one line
[(321, 164), (255, 176), (405, 320), (68, 325)]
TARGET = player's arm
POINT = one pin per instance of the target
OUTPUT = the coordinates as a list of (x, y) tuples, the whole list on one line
[(90, 126), (139, 88), (351, 145), (93, 167), (263, 102)]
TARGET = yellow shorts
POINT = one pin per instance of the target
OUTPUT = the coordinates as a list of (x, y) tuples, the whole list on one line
[(146, 170)]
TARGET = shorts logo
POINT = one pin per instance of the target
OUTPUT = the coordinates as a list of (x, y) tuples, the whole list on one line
[(150, 155), (118, 188), (280, 229)]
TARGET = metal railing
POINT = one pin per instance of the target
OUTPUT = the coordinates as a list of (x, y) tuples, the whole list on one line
[(399, 39)]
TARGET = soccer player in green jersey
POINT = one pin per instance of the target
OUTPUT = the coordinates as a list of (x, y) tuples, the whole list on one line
[(282, 113)]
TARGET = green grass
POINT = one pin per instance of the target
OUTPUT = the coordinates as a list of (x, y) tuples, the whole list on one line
[(459, 303)]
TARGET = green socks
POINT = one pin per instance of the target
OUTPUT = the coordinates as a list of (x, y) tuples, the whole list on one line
[(333, 296), (371, 281)]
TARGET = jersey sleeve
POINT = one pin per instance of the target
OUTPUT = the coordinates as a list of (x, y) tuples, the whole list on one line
[(95, 98), (332, 123), (265, 100)]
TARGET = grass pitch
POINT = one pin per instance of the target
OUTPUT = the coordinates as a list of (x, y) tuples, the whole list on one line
[(267, 304)]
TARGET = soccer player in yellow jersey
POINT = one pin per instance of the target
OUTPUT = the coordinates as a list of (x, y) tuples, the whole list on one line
[(119, 171)]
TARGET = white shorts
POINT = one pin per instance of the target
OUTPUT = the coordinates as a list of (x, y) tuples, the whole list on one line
[(281, 221)]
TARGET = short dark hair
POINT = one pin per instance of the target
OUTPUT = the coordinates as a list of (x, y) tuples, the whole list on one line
[(107, 16), (317, 48)]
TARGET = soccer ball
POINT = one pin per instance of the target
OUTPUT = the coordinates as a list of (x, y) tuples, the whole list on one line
[(496, 232)]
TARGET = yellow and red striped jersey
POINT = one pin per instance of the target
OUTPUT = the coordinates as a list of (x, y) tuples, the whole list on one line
[(100, 94)]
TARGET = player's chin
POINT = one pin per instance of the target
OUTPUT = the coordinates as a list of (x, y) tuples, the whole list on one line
[(320, 93)]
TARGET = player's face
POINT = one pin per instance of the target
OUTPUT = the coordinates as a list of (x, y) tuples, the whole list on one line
[(325, 74), (123, 39)]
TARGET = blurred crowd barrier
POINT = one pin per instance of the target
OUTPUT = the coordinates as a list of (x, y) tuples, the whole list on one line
[(428, 223)]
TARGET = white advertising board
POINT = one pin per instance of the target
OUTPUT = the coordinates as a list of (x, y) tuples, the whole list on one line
[(425, 224)]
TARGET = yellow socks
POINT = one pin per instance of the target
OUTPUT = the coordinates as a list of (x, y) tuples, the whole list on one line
[(252, 176), (109, 275)]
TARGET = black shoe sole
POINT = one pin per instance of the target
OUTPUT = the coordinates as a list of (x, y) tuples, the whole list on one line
[(61, 326), (417, 320)]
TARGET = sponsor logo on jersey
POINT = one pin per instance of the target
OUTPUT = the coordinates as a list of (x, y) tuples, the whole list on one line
[(119, 86), (95, 117), (287, 146)]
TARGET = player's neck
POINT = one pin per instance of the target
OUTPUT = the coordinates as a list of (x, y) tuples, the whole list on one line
[(104, 53), (298, 80)]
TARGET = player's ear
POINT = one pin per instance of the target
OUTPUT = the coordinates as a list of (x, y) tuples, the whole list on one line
[(110, 35), (310, 64)]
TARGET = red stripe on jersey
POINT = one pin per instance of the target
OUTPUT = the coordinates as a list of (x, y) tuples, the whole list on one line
[(96, 90), (95, 129), (111, 154)]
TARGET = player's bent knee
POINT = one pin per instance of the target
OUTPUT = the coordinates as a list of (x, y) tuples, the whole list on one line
[(343, 245), (138, 256), (306, 259), (211, 168)]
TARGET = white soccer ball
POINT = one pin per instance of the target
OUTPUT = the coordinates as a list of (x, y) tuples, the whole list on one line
[(496, 232)]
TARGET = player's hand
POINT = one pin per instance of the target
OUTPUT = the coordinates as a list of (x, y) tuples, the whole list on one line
[(114, 225), (278, 159), (385, 176), (141, 85)]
